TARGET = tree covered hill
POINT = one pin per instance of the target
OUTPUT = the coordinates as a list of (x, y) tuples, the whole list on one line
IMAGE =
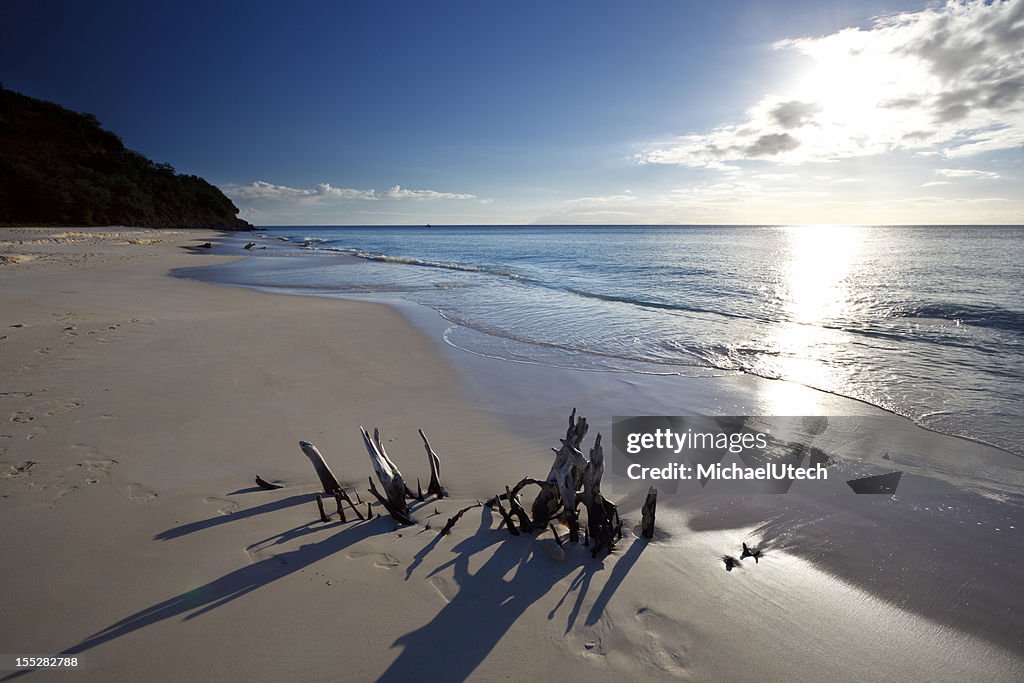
[(60, 167)]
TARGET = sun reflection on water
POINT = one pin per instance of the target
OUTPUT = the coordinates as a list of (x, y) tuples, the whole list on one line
[(813, 294)]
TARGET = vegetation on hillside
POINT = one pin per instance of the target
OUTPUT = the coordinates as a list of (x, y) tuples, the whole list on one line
[(60, 167)]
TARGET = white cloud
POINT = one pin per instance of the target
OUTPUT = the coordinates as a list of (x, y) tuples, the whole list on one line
[(966, 173), (397, 192), (947, 80), (601, 201), (936, 182), (260, 190)]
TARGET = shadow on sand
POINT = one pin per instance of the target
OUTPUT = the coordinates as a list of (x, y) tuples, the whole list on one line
[(487, 604), (489, 601), (202, 524), (946, 557)]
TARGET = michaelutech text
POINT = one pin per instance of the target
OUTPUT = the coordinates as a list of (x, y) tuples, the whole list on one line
[(716, 471)]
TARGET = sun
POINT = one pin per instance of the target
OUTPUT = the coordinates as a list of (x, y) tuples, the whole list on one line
[(866, 91)]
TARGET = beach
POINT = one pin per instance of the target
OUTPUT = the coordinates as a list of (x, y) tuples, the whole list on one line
[(138, 409)]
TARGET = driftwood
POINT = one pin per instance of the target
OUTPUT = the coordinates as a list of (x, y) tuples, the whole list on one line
[(343, 495), (564, 474), (573, 479), (341, 511), (458, 515), (264, 484), (327, 478), (505, 516), (516, 509), (395, 490), (647, 513), (320, 506), (751, 552), (434, 488)]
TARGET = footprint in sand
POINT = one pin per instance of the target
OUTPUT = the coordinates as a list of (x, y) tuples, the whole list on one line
[(21, 417), (97, 468), (36, 431), (594, 647), (381, 560), (226, 506), (63, 491), (663, 640), (24, 469), (138, 493), (62, 408)]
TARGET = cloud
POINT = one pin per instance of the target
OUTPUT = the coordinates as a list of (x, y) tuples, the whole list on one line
[(936, 182), (966, 173), (602, 200), (261, 190), (946, 81), (795, 114), (397, 192), (771, 144)]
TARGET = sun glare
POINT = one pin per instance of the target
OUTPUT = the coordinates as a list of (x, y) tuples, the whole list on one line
[(863, 91), (812, 289)]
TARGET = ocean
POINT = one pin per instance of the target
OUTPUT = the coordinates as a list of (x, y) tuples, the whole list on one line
[(926, 322)]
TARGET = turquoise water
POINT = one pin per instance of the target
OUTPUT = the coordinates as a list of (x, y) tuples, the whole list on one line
[(927, 322)]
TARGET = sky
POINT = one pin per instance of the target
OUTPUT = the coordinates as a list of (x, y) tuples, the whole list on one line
[(377, 112)]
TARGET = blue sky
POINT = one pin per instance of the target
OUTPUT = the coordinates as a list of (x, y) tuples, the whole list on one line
[(554, 112)]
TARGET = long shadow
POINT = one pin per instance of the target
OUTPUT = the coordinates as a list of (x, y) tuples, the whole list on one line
[(249, 489), (193, 527), (235, 584), (422, 554), (581, 585), (486, 606), (621, 567)]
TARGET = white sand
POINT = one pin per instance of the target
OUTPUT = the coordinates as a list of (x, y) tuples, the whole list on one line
[(135, 538)]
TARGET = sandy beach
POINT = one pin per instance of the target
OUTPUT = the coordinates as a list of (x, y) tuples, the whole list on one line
[(137, 409)]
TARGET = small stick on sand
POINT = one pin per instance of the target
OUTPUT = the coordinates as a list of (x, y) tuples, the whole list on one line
[(341, 512), (505, 516), (458, 515), (264, 484), (320, 505), (344, 494)]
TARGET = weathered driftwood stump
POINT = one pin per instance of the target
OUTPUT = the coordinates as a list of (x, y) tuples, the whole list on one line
[(327, 478), (434, 488), (573, 479), (565, 474), (647, 514), (395, 489)]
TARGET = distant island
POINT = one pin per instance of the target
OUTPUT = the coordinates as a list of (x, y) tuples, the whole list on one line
[(60, 167)]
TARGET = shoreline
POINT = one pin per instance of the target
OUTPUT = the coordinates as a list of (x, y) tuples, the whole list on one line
[(507, 390), (173, 395), (602, 393), (408, 305)]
